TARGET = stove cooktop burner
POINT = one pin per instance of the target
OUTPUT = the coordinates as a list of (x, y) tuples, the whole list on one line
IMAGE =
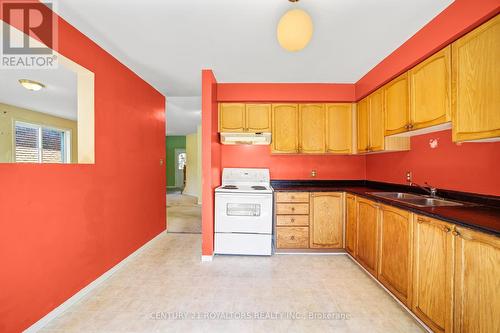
[(259, 188), (230, 187)]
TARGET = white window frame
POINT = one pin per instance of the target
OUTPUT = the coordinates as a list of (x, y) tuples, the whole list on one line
[(66, 144)]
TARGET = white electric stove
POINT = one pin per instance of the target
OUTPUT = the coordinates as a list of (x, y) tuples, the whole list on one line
[(244, 212)]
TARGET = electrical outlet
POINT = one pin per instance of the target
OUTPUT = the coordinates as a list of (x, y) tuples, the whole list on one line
[(409, 177), (313, 173)]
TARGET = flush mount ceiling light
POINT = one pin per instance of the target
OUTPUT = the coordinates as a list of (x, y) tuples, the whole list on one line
[(295, 29), (31, 85)]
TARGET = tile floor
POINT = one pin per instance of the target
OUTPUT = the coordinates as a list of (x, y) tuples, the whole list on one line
[(168, 278)]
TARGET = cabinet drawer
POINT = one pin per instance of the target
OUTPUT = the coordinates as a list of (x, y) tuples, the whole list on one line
[(292, 208), (292, 237), (292, 220), (292, 196)]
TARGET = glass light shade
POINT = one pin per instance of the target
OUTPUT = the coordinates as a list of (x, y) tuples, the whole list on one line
[(31, 85), (295, 30)]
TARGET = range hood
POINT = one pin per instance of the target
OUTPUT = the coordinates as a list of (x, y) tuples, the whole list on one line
[(228, 138)]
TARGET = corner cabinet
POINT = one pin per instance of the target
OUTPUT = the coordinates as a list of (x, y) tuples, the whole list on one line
[(395, 252), (476, 88), (477, 281), (312, 128), (433, 273), (397, 105), (363, 143), (367, 234), (350, 224), (285, 128), (327, 220), (430, 90), (376, 121)]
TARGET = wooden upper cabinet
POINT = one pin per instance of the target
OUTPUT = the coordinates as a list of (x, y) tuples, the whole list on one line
[(350, 224), (433, 273), (397, 107), (339, 128), (366, 247), (395, 252), (312, 128), (476, 83), (362, 125), (327, 215), (258, 118), (285, 128), (231, 117), (376, 120), (477, 282), (430, 90)]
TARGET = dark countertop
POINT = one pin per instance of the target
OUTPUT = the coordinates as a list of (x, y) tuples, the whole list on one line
[(480, 212)]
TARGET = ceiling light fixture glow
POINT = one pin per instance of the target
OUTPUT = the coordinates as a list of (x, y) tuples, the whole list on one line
[(295, 30), (31, 85)]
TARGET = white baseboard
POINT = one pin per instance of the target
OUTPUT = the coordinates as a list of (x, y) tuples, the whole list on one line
[(389, 292), (207, 258), (87, 289)]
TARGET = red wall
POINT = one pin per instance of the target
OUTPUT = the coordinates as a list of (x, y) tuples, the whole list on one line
[(285, 92), (62, 226), (211, 169), (469, 167), (293, 166), (456, 20)]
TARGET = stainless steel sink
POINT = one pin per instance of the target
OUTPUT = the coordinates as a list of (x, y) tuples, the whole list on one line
[(416, 199)]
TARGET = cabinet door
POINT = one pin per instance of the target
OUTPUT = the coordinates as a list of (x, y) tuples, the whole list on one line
[(327, 217), (350, 224), (362, 125), (312, 128), (376, 122), (396, 105), (339, 128), (430, 85), (477, 282), (476, 83), (285, 128), (395, 252), (231, 117), (258, 118), (433, 273), (366, 247)]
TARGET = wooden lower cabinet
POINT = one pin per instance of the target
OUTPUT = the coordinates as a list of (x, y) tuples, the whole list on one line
[(327, 215), (477, 282), (433, 273), (292, 237), (367, 238), (350, 224), (395, 252)]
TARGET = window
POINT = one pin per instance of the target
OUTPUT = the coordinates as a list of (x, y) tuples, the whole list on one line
[(181, 161), (40, 144)]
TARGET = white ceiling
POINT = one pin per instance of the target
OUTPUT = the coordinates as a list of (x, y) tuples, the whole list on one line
[(58, 98), (168, 42)]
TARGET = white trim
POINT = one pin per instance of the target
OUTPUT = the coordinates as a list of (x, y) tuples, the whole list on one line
[(390, 293), (87, 289), (207, 258)]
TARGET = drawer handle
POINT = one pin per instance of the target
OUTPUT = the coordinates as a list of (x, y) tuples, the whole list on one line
[(292, 237), (293, 209), (292, 220)]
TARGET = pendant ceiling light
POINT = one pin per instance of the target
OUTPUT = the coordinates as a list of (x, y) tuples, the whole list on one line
[(295, 29)]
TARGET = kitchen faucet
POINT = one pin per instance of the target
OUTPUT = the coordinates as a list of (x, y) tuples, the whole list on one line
[(429, 189)]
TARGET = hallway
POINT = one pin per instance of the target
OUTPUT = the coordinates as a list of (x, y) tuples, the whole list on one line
[(183, 213)]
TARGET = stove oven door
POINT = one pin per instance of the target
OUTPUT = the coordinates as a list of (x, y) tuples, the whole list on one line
[(243, 213)]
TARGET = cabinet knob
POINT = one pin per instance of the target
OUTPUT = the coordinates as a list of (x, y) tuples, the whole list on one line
[(292, 237), (410, 126), (292, 220), (293, 209), (446, 229), (455, 233)]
